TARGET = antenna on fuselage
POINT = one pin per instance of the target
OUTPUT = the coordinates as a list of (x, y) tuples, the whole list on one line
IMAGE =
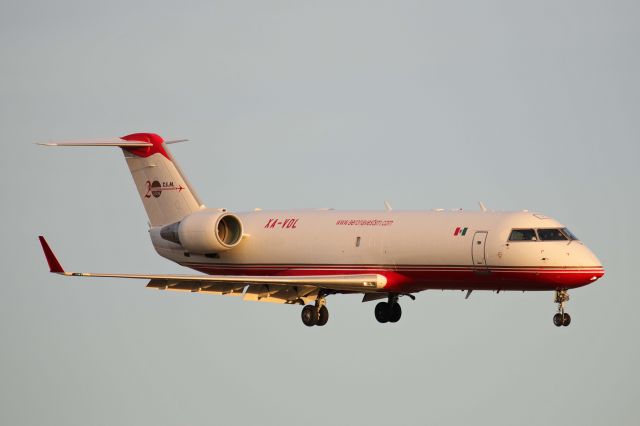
[(482, 206), (387, 206)]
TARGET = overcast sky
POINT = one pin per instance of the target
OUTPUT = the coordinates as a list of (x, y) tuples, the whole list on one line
[(291, 104)]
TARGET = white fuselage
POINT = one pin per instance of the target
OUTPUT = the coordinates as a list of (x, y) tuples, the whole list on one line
[(415, 250)]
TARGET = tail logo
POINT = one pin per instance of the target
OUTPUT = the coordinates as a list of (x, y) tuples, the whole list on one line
[(156, 188)]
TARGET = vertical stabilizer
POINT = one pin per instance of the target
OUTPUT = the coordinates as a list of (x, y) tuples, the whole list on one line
[(165, 192)]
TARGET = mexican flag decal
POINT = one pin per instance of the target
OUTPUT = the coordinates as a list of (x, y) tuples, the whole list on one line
[(460, 231)]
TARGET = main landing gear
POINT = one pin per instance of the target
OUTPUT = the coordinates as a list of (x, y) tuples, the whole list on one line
[(561, 318), (317, 314), (389, 311)]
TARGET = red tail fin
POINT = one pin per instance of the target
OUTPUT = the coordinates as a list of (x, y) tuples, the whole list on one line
[(156, 147)]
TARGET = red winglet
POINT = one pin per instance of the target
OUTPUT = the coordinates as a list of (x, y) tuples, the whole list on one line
[(54, 265)]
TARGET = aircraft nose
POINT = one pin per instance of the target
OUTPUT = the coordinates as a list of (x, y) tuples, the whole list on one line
[(585, 256), (590, 260), (597, 274)]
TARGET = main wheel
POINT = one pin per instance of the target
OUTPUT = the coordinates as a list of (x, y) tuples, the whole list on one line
[(558, 320), (309, 315), (323, 316), (566, 319), (395, 313), (382, 312)]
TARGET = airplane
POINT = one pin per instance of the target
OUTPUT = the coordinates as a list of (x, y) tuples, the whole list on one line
[(303, 256)]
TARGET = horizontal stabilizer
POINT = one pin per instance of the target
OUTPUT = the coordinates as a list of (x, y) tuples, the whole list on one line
[(101, 142)]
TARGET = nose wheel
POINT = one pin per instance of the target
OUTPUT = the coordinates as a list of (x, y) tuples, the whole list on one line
[(561, 318)]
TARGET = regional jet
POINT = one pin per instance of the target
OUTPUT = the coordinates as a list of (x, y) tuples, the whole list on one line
[(300, 257)]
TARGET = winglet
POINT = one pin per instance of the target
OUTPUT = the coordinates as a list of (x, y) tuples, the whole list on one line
[(54, 265)]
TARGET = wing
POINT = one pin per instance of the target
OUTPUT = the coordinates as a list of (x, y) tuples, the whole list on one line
[(267, 288)]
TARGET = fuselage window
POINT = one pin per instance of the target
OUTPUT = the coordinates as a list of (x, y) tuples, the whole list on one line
[(523, 235), (551, 235)]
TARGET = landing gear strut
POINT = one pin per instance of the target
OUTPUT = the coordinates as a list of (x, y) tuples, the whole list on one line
[(389, 311), (561, 318), (317, 314)]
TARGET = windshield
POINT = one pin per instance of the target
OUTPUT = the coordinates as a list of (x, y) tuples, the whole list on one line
[(569, 234), (543, 234), (523, 235), (551, 235)]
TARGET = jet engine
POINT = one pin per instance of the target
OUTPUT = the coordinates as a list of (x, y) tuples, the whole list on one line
[(205, 232)]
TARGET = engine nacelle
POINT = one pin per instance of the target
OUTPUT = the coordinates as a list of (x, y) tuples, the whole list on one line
[(205, 232)]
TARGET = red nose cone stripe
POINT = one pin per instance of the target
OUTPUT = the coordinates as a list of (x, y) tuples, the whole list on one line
[(156, 148)]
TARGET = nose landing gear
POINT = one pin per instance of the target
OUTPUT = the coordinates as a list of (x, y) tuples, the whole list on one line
[(561, 318)]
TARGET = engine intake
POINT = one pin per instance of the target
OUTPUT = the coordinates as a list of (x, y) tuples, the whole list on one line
[(205, 232)]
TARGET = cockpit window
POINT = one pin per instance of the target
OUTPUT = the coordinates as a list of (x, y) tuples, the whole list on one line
[(523, 235), (551, 235), (569, 234)]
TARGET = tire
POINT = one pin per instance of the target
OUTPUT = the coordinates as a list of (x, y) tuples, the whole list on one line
[(323, 316), (557, 320), (395, 313), (309, 315), (566, 320), (382, 312)]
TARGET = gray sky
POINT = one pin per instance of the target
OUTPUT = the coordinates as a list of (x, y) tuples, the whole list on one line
[(316, 104)]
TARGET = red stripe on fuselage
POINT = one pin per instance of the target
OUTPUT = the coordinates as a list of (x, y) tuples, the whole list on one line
[(412, 278)]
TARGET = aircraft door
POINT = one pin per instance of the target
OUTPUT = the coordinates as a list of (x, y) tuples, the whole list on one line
[(478, 249)]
